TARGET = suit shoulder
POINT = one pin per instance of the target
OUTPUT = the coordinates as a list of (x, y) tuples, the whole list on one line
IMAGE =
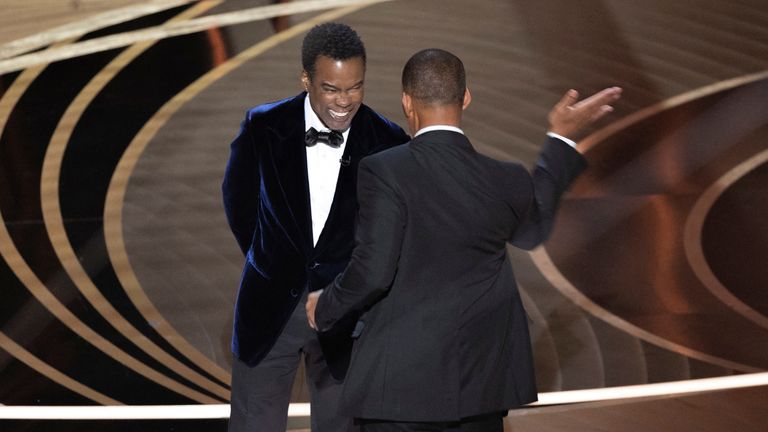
[(390, 161), (500, 166), (274, 109), (385, 129), (511, 166), (391, 167), (512, 179), (391, 155)]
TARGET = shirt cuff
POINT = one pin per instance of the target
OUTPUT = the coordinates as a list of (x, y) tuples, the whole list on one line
[(570, 142)]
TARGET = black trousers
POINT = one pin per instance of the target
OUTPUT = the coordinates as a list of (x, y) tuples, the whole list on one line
[(261, 394), (493, 422)]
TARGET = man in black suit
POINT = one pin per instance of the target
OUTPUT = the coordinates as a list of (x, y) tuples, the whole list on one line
[(443, 339), (289, 196)]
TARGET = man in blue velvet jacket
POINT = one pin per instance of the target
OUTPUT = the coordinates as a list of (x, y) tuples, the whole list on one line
[(290, 199)]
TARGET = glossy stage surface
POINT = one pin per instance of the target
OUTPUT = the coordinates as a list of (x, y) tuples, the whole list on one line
[(118, 272)]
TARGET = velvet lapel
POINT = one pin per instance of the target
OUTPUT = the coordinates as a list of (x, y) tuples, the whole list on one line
[(289, 160), (359, 145)]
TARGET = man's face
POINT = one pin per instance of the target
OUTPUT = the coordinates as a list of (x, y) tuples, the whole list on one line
[(336, 90)]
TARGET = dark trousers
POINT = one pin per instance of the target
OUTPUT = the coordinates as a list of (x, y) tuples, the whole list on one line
[(484, 423), (261, 394)]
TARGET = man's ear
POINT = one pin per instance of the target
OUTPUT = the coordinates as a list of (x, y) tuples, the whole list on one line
[(467, 99), (407, 103), (305, 80)]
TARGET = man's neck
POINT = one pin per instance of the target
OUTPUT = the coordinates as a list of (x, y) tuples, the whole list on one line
[(439, 115)]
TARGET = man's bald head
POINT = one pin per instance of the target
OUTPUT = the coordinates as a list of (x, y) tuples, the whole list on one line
[(435, 77)]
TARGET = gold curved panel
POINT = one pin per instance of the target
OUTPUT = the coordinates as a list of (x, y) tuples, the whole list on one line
[(692, 239), (542, 260), (79, 28), (170, 30), (49, 195), (52, 373), (558, 280), (27, 277), (601, 135)]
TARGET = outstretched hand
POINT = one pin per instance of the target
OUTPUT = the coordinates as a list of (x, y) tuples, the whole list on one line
[(310, 307), (570, 116)]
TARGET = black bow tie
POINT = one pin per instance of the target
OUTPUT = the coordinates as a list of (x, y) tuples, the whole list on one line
[(333, 138)]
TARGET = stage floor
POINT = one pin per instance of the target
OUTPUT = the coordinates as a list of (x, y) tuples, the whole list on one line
[(118, 271)]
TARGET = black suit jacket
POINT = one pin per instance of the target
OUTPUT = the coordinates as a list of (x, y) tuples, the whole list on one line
[(445, 335), (266, 199)]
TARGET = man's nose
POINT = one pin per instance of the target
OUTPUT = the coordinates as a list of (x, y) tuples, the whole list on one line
[(343, 99)]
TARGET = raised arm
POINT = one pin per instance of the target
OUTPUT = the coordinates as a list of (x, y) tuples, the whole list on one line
[(558, 165)]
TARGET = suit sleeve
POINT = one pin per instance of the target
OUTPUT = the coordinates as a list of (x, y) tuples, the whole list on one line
[(378, 241), (240, 189), (558, 165)]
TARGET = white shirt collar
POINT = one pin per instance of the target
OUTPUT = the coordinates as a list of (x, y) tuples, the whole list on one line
[(438, 127), (310, 117)]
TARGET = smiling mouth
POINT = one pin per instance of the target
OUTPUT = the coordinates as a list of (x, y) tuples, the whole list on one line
[(339, 115)]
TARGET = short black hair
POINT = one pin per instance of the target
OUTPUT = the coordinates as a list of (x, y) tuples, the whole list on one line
[(335, 40), (435, 77)]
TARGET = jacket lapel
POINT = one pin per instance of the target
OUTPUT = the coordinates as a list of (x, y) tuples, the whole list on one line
[(289, 156), (358, 146)]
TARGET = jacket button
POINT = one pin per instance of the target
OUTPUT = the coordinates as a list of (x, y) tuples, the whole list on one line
[(314, 265), (294, 292)]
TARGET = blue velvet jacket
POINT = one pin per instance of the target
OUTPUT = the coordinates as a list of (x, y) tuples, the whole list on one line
[(266, 199)]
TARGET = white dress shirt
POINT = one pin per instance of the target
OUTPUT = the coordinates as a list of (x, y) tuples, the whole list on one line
[(322, 171), (570, 142), (438, 127)]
